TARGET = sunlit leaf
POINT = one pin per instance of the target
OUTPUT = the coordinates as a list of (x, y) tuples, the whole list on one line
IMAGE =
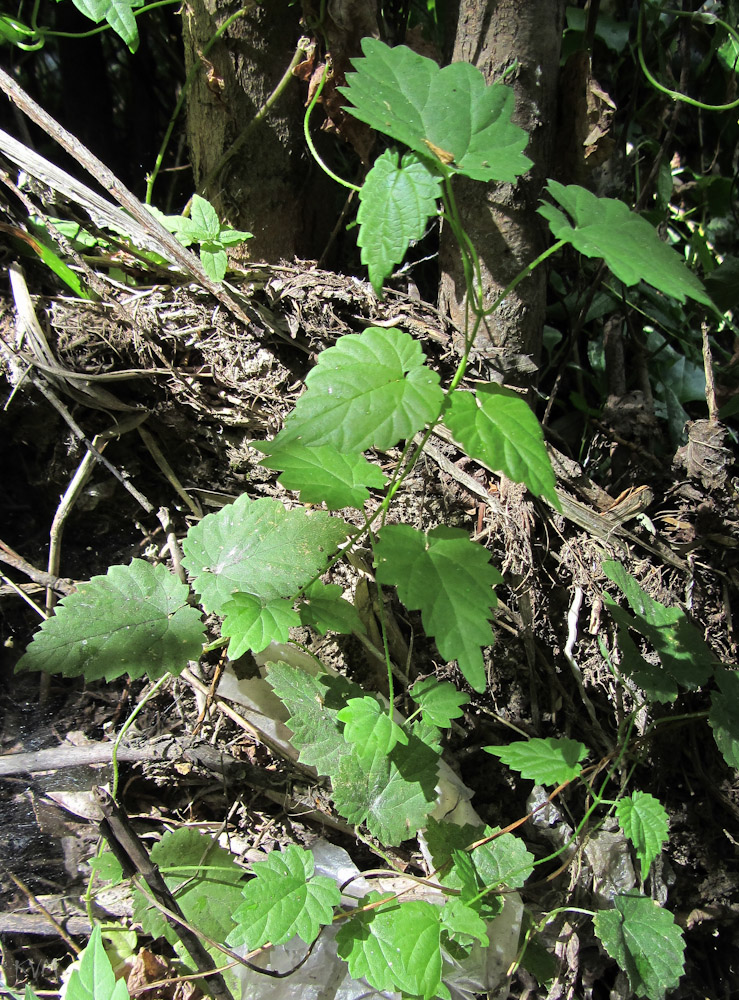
[(630, 246), (368, 390), (546, 761), (450, 116), (323, 474), (135, 620), (284, 899), (497, 426), (252, 624), (258, 547), (395, 203)]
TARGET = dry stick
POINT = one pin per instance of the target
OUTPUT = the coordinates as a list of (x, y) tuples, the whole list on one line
[(11, 558), (72, 493), (708, 368), (39, 905), (134, 858), (123, 196), (46, 391)]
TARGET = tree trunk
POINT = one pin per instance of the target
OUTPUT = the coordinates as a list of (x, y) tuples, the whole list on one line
[(271, 186), (260, 188), (501, 219)]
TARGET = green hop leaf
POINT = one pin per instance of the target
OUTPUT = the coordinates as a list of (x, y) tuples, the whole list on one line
[(449, 116), (368, 390), (369, 727), (393, 793), (284, 899), (644, 821), (395, 946), (205, 880), (396, 201), (252, 624), (630, 246), (135, 620), (546, 761), (497, 426), (449, 579), (645, 941), (463, 924), (258, 547), (323, 474), (439, 701)]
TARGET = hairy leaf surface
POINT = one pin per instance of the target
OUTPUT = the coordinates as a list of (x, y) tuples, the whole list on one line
[(395, 203), (368, 390), (284, 898), (449, 579), (645, 941), (135, 620), (258, 547), (450, 116)]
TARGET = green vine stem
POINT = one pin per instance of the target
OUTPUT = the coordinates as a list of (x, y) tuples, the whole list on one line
[(245, 133), (674, 94), (189, 80), (309, 139)]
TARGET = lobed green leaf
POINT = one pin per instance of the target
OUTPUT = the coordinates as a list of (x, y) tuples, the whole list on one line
[(643, 820), (258, 547), (325, 610), (135, 620), (395, 947), (630, 246), (368, 726), (646, 943), (547, 761), (449, 116), (440, 701), (368, 390), (449, 579), (252, 624), (395, 203), (323, 474), (284, 899)]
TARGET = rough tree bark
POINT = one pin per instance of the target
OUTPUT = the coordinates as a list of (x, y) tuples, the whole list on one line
[(501, 219), (271, 187)]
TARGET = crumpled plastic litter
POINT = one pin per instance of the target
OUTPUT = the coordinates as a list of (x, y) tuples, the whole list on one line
[(323, 975)]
